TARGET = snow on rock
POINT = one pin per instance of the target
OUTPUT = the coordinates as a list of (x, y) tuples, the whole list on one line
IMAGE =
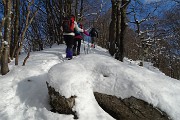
[(82, 76), (72, 79)]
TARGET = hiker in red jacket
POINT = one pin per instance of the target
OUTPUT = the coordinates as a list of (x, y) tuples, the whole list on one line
[(69, 25)]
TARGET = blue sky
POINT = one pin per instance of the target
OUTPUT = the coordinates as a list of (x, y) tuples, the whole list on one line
[(148, 1)]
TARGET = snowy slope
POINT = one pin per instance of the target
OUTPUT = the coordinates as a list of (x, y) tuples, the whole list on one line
[(24, 94)]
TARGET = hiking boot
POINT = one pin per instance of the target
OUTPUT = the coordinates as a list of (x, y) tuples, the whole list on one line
[(78, 52), (69, 58), (74, 54)]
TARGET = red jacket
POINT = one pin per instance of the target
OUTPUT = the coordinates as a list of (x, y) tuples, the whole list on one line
[(80, 37)]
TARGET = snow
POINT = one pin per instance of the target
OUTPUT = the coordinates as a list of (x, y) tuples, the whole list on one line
[(5, 42), (24, 94)]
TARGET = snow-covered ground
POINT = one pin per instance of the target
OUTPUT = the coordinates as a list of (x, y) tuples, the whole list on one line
[(24, 94)]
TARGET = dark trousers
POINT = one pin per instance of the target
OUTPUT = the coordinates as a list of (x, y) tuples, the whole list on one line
[(69, 43), (93, 41), (77, 46)]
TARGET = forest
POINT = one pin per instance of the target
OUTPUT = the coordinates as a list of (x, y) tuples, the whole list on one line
[(144, 30)]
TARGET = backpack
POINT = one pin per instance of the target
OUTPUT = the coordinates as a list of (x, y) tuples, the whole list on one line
[(68, 25)]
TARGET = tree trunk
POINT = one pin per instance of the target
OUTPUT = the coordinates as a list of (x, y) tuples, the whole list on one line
[(61, 17), (76, 10), (7, 37), (118, 30), (2, 42), (112, 29), (16, 27), (67, 7), (28, 22), (124, 5), (24, 63), (81, 10), (4, 66)]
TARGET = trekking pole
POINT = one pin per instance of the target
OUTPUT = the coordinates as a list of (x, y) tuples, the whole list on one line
[(88, 47), (84, 46)]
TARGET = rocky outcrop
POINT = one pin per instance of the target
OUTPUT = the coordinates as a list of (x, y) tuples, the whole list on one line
[(59, 103), (121, 109), (129, 109)]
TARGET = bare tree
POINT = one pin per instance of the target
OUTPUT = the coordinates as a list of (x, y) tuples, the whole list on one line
[(28, 22), (118, 28), (112, 28), (144, 43), (16, 27), (123, 8), (7, 36)]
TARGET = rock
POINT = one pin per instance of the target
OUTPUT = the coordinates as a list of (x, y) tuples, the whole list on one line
[(61, 104), (121, 109), (129, 109)]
